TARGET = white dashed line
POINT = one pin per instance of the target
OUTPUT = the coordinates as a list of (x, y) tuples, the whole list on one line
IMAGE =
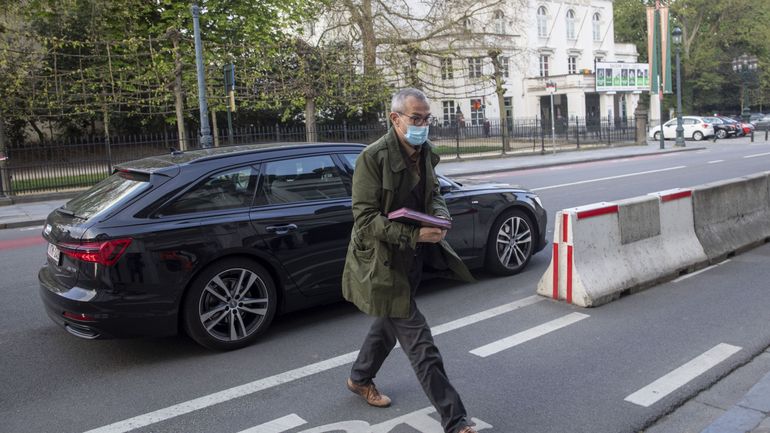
[(289, 376), (716, 161), (684, 277), (757, 155), (279, 425), (543, 188), (669, 383), (530, 334)]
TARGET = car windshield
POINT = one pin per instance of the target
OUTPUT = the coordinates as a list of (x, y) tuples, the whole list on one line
[(106, 194)]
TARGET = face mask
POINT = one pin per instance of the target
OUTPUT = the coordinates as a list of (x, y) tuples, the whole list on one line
[(416, 135)]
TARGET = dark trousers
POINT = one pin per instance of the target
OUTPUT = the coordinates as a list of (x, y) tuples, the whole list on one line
[(415, 337)]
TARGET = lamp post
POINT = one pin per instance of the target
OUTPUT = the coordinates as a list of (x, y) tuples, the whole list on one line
[(206, 139), (676, 37), (745, 66)]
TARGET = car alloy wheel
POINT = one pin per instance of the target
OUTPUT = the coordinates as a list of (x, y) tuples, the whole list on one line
[(721, 133), (230, 304), (697, 136), (510, 243), (657, 136)]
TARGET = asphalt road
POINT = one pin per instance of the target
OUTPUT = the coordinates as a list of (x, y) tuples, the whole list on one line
[(575, 378)]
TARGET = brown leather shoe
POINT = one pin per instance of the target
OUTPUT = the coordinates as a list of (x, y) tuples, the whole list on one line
[(369, 393), (467, 429)]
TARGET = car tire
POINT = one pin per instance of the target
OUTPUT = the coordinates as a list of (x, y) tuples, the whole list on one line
[(229, 304), (657, 136), (721, 134), (697, 136), (511, 243)]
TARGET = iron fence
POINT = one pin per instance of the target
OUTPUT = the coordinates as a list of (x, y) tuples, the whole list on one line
[(78, 163)]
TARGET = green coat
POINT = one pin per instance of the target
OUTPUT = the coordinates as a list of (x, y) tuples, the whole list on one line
[(381, 252)]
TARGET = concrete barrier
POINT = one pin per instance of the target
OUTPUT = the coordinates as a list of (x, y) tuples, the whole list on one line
[(606, 250), (733, 215)]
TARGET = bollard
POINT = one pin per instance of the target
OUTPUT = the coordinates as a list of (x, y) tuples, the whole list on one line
[(766, 129), (752, 135)]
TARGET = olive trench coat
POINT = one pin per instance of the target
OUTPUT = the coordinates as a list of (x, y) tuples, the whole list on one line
[(381, 252)]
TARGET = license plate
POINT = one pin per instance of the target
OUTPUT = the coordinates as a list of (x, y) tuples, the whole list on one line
[(54, 253)]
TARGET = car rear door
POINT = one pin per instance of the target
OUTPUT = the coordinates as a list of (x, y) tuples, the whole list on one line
[(303, 213)]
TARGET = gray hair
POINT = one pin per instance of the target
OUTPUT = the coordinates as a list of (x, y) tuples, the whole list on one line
[(399, 99)]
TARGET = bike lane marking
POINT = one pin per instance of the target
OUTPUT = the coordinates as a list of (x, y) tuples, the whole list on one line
[(11, 244), (679, 377), (289, 376)]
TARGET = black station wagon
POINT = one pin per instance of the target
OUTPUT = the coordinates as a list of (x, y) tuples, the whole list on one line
[(217, 241)]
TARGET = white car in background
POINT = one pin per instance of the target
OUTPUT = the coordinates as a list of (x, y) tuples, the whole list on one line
[(695, 127)]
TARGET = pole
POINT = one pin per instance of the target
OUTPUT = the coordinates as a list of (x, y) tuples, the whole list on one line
[(679, 128), (230, 93), (660, 100), (5, 181), (205, 137), (553, 127)]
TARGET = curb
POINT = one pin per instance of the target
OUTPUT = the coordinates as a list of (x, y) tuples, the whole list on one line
[(20, 224), (556, 164)]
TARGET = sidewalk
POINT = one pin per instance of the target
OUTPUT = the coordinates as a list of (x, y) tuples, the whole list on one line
[(740, 402)]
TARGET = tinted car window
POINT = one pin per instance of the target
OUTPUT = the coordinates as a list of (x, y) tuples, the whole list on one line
[(117, 188), (231, 189), (300, 179), (351, 158)]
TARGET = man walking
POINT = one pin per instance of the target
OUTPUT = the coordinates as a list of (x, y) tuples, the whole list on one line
[(385, 258)]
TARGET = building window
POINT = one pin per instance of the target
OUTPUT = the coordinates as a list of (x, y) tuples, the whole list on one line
[(467, 24), (570, 24), (447, 71), (572, 65), (499, 22), (477, 112), (508, 105), (449, 112), (595, 23), (543, 65), (474, 67), (542, 22), (505, 66)]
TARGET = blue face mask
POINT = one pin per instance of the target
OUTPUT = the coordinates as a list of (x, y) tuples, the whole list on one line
[(416, 135)]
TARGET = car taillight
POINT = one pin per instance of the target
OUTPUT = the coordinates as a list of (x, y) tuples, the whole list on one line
[(106, 252), (704, 125)]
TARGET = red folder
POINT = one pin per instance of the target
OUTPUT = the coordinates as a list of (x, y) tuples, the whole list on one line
[(411, 216)]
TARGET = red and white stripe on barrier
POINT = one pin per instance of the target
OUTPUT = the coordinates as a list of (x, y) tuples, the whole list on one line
[(562, 262)]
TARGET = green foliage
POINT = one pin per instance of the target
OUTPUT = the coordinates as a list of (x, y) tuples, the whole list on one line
[(714, 33), (73, 61)]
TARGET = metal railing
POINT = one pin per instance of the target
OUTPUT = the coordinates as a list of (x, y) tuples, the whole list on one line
[(79, 163)]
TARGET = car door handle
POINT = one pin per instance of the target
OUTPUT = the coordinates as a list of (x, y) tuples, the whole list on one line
[(281, 230)]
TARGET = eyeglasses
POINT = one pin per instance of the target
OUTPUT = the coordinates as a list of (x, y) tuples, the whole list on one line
[(418, 120)]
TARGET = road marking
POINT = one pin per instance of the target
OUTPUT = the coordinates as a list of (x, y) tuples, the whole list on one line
[(716, 161), (279, 425), (189, 406), (543, 188), (530, 334), (669, 383), (757, 155), (684, 277), (11, 244), (26, 229), (484, 315)]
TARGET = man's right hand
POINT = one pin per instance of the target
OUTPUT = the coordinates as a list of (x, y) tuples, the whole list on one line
[(431, 235)]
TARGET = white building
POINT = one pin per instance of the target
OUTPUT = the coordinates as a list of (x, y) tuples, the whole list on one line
[(556, 40), (538, 41)]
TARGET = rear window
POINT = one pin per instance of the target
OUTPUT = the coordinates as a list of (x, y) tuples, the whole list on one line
[(116, 189)]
